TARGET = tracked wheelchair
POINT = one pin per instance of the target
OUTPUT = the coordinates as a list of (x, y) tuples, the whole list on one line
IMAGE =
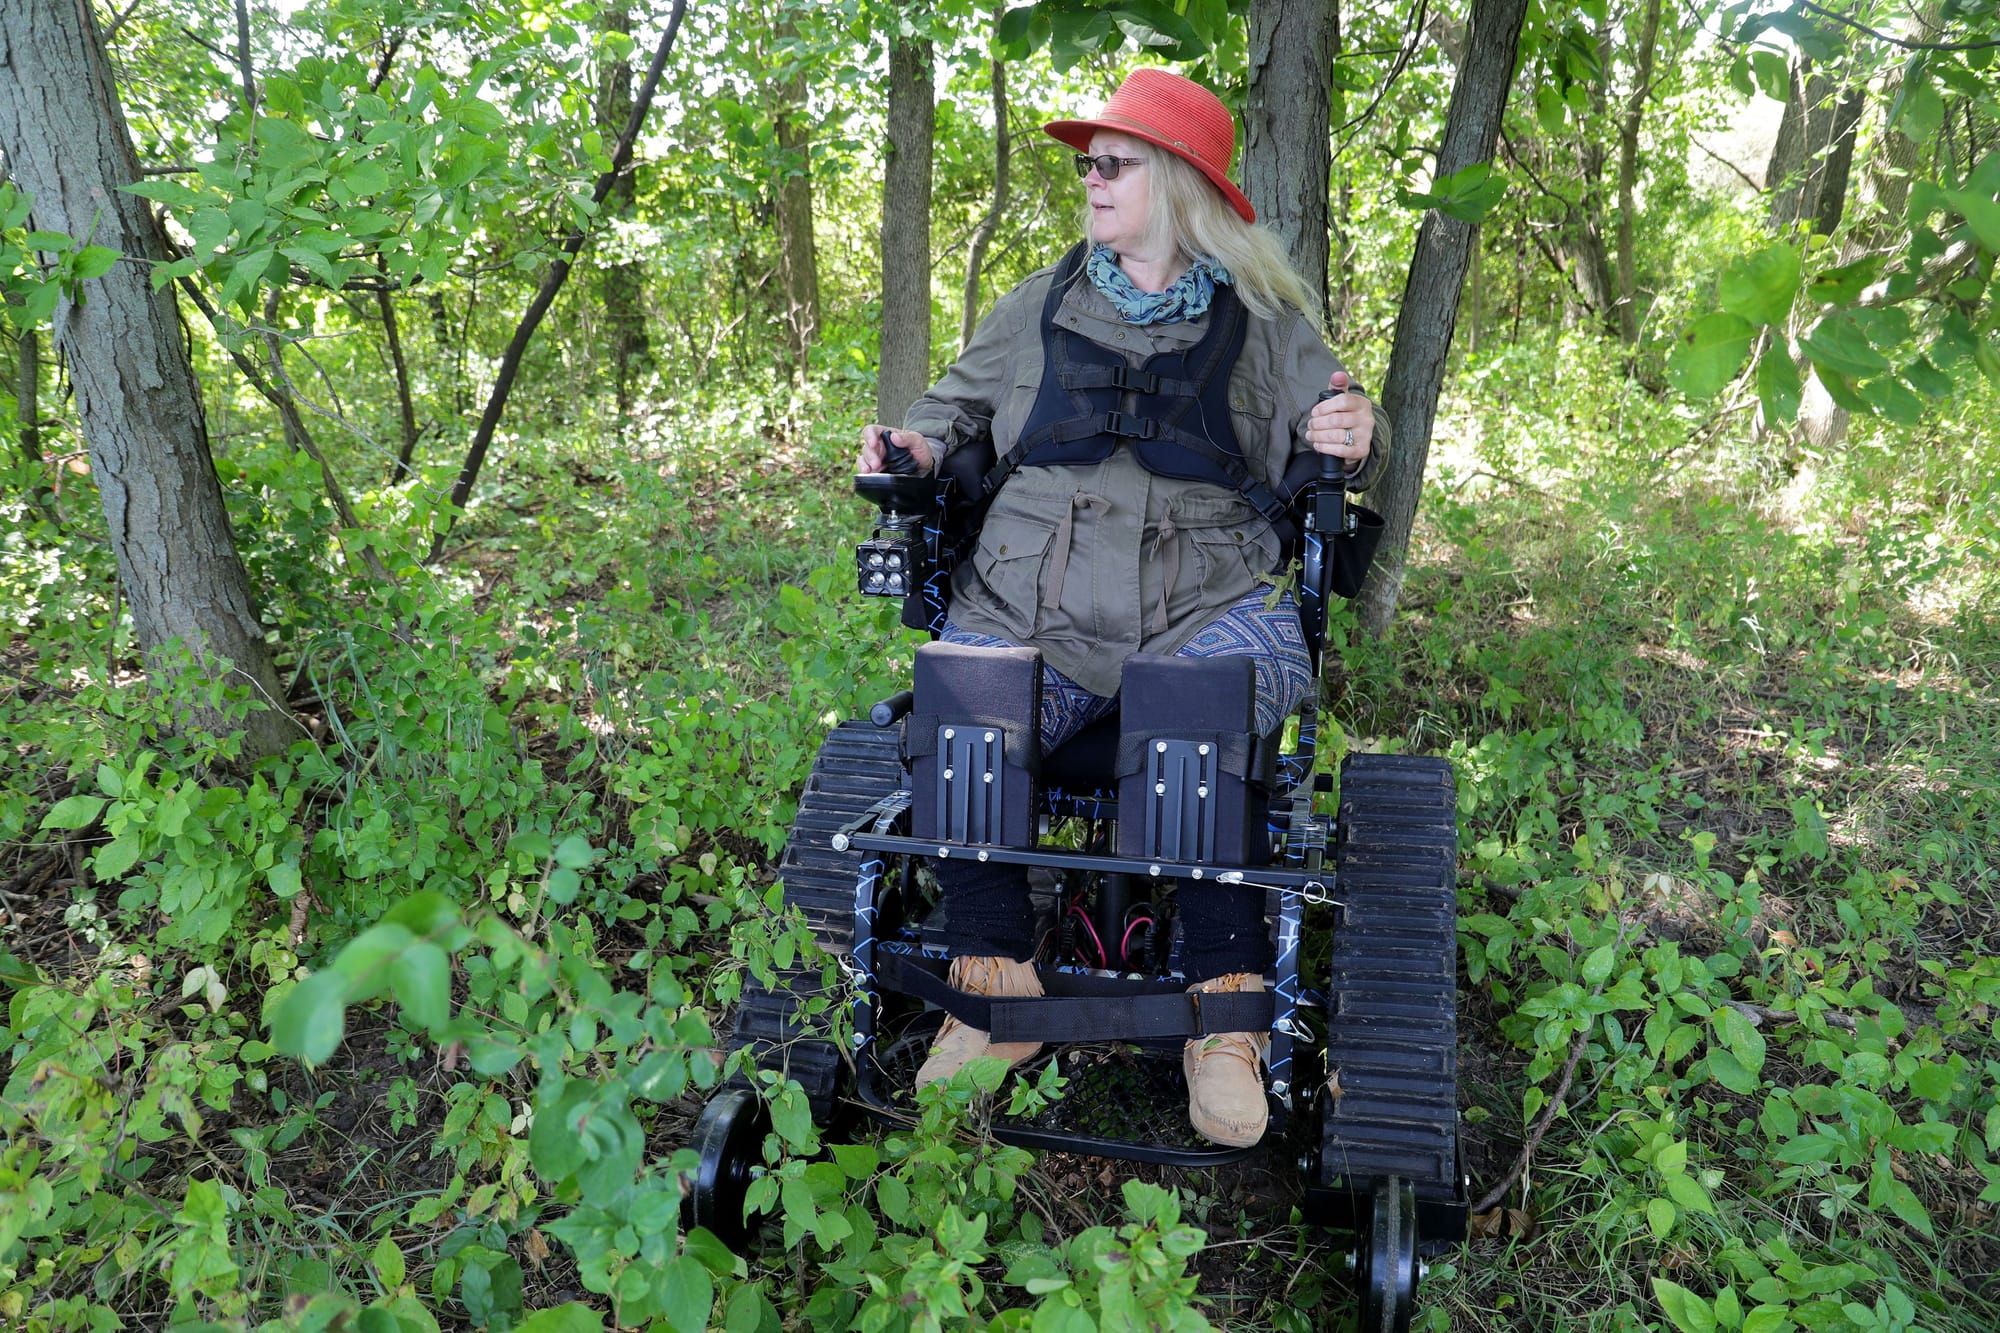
[(1175, 787)]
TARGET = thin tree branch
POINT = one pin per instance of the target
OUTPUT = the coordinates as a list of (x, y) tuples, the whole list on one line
[(1745, 176), (1902, 42), (552, 281), (243, 66), (1403, 58), (118, 22)]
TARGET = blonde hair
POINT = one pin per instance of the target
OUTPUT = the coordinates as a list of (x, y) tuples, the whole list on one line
[(1189, 215)]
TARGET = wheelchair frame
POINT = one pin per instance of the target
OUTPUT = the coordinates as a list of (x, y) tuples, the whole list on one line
[(1374, 1095)]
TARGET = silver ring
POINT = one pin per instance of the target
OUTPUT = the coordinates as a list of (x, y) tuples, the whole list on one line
[(1348, 443)]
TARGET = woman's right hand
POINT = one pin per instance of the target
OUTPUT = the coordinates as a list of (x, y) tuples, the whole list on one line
[(875, 441)]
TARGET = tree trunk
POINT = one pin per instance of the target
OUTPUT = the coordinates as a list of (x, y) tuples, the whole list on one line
[(792, 199), (1431, 295), (904, 365), (982, 235), (1835, 165), (66, 140), (1628, 171), (624, 285), (1807, 175), (1287, 155)]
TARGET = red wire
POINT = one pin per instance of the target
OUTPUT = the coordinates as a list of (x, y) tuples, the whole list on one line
[(1125, 945), (1103, 958)]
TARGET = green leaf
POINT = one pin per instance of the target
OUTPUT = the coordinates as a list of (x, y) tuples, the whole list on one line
[(1903, 1202), (286, 881), (94, 261), (1690, 1313), (1932, 1082), (117, 856), (1778, 384), (1597, 965), (1927, 380), (310, 1020), (563, 886), (1761, 287), (1549, 109), (164, 191), (1730, 1072), (388, 1260), (575, 1317), (857, 1161), (575, 852), (1982, 215), (1688, 1192), (1919, 111), (704, 1245), (421, 980), (74, 812), (1840, 286), (1894, 402), (1774, 76), (1839, 345), (689, 1295), (1708, 355), (1660, 1216)]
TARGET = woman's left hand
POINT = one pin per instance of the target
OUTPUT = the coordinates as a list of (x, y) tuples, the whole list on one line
[(1342, 425)]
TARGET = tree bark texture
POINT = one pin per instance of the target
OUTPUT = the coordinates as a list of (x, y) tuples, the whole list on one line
[(624, 285), (1431, 296), (1628, 170), (904, 368), (65, 136), (792, 200), (1287, 154), (1810, 160), (982, 235)]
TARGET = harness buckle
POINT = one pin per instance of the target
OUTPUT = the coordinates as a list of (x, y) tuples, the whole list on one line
[(1120, 423), (1133, 380)]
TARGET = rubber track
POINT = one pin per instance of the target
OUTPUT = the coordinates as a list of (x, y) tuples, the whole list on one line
[(1392, 1005), (858, 764)]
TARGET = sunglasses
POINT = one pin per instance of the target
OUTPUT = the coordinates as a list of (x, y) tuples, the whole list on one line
[(1108, 166)]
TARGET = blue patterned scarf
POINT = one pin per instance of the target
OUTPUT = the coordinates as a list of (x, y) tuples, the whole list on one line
[(1187, 298)]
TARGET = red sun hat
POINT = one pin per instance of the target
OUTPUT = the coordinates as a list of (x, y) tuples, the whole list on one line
[(1173, 113)]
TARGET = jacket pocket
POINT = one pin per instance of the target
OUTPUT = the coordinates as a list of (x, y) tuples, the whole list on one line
[(1210, 568), (1011, 560)]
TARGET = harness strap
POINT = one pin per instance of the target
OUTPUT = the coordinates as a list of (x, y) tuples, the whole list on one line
[(1235, 751), (1023, 737), (1114, 1009)]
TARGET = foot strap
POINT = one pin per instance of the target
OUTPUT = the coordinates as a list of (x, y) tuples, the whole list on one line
[(1080, 1008)]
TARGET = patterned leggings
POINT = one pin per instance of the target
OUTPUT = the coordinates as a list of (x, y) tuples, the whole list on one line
[(987, 906)]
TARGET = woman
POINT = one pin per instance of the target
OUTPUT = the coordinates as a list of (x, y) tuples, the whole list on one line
[(1154, 386)]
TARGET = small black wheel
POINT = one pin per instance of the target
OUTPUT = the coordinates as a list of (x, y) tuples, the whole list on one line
[(1387, 1273), (730, 1138)]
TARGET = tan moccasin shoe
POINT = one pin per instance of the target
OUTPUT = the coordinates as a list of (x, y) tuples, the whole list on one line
[(1226, 1102), (958, 1045)]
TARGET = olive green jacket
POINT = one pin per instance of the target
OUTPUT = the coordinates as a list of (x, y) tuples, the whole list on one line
[(1094, 562)]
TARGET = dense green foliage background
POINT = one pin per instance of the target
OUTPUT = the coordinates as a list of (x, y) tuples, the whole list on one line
[(406, 1028)]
